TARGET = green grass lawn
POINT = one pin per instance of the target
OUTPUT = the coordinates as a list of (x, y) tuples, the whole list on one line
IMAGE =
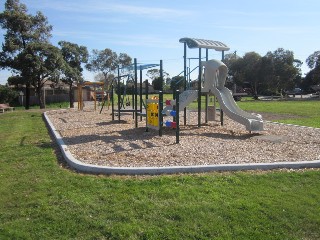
[(42, 199), (305, 113)]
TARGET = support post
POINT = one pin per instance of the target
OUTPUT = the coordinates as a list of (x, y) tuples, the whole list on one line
[(185, 79), (95, 97), (112, 102), (199, 90), (177, 118), (221, 116), (119, 94), (140, 94), (160, 112), (206, 107), (147, 97), (161, 100), (207, 95), (135, 93)]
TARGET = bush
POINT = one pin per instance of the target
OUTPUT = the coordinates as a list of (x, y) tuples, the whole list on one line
[(7, 95)]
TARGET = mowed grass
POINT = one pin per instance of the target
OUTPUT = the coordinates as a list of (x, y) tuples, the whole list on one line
[(304, 113), (42, 199)]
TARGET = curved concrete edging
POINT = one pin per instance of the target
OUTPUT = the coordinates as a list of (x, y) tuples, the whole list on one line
[(96, 169)]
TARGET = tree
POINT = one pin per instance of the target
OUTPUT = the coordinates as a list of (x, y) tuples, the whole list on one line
[(73, 55), (22, 29), (7, 95), (106, 62), (313, 76), (245, 70), (252, 67), (285, 69), (154, 75), (313, 61), (230, 58), (15, 81), (42, 62), (266, 75), (177, 83), (157, 83)]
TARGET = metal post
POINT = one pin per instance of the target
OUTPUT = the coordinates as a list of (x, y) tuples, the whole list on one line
[(95, 97), (135, 93), (206, 99), (140, 94), (161, 100), (174, 97), (199, 90), (221, 116), (185, 80), (112, 102), (133, 101), (147, 89), (147, 93), (119, 94), (177, 118), (160, 112), (206, 107)]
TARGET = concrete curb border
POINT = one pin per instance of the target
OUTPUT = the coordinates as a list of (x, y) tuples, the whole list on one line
[(96, 169)]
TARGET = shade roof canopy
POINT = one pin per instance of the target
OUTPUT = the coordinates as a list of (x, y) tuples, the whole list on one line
[(146, 66), (202, 43), (140, 66)]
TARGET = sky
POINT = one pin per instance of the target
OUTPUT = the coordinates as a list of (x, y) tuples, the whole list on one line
[(150, 30)]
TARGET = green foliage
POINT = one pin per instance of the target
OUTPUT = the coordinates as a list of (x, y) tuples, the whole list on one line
[(313, 77), (7, 95), (155, 73), (275, 71), (26, 50), (177, 82), (155, 76), (285, 68), (73, 55), (106, 62), (42, 199), (313, 61), (42, 61), (157, 83), (15, 81), (21, 29)]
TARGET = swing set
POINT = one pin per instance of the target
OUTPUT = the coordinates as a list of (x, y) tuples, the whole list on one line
[(124, 105)]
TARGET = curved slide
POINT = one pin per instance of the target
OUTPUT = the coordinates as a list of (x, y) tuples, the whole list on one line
[(230, 107)]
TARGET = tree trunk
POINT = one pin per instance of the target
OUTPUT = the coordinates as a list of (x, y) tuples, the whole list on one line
[(71, 96), (27, 106), (41, 97)]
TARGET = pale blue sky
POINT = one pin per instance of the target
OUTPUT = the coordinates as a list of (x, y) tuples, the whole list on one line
[(150, 30)]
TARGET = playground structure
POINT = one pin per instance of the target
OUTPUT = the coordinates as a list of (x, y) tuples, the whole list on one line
[(211, 82), (213, 77), (93, 95), (121, 106)]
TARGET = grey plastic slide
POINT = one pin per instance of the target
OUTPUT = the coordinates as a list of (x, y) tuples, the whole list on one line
[(230, 107), (185, 98), (215, 75)]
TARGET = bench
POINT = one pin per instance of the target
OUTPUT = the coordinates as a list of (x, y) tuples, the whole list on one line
[(5, 107)]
